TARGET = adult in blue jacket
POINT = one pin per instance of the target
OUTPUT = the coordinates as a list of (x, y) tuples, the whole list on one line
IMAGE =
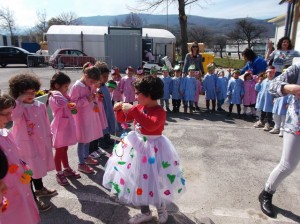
[(255, 63)]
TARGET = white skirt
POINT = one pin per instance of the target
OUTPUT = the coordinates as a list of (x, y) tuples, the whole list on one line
[(144, 170)]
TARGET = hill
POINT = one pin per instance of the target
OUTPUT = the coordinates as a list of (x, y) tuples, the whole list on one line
[(215, 24)]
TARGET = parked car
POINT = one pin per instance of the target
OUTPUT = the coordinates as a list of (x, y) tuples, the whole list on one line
[(69, 58), (17, 55)]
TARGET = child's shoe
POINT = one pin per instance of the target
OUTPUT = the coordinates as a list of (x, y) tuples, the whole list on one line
[(101, 151), (91, 161), (274, 131), (42, 207), (85, 168), (258, 124), (95, 155), (44, 192), (162, 215), (71, 173), (267, 127), (140, 218), (61, 179), (280, 133)]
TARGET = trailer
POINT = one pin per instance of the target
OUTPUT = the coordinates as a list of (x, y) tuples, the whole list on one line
[(118, 46)]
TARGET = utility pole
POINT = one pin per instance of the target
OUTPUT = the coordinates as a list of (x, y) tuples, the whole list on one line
[(167, 14)]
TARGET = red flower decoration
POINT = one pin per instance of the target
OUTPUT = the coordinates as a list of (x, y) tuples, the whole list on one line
[(13, 168), (139, 191)]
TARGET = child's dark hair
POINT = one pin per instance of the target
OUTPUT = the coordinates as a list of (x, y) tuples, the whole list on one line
[(6, 101), (22, 82), (3, 164), (91, 71), (150, 86), (102, 66), (59, 78)]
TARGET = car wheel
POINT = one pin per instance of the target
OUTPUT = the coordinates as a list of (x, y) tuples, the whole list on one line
[(3, 65)]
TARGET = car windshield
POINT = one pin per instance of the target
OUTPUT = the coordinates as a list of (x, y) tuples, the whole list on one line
[(21, 49)]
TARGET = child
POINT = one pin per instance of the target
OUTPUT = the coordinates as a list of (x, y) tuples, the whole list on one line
[(249, 99), (221, 90), (264, 101), (112, 126), (153, 72), (126, 86), (198, 90), (235, 92), (279, 113), (188, 89), (144, 167), (87, 121), (167, 83), (63, 126), (139, 73), (21, 207), (112, 86), (209, 87), (117, 95), (175, 89), (31, 130)]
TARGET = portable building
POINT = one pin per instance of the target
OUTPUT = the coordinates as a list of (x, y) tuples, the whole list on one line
[(118, 46)]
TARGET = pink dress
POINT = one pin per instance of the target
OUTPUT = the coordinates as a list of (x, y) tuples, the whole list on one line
[(63, 125), (127, 88), (21, 205), (117, 95), (250, 93), (32, 134), (198, 90), (87, 121)]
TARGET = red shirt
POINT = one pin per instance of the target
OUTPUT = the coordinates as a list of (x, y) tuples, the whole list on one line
[(150, 120)]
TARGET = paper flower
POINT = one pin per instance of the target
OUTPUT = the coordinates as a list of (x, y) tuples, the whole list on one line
[(139, 191), (4, 204), (72, 107), (25, 178), (13, 168)]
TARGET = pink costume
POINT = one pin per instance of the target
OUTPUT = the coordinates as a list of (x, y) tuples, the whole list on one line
[(63, 125), (198, 90), (250, 93), (21, 205), (87, 121), (126, 87), (117, 95), (32, 134)]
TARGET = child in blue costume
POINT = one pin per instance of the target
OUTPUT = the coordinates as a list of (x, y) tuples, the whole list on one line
[(175, 89), (144, 168), (222, 83), (235, 92), (209, 86), (167, 84), (264, 101)]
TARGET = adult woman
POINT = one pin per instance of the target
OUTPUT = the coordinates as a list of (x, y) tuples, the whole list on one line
[(254, 63), (283, 56), (193, 58), (287, 83)]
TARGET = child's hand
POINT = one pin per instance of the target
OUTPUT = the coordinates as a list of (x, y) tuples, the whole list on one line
[(126, 107), (3, 187), (91, 97), (118, 106)]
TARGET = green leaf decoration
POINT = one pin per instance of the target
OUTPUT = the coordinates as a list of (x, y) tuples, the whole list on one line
[(144, 138), (165, 164), (179, 190), (29, 172), (128, 190), (121, 162), (171, 178)]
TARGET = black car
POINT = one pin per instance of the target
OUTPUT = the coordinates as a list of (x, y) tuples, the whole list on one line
[(17, 55)]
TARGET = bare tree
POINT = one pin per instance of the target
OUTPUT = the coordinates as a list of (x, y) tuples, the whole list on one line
[(133, 20), (220, 40), (152, 5), (116, 22), (65, 18), (249, 32), (42, 25), (235, 37), (200, 34), (7, 21)]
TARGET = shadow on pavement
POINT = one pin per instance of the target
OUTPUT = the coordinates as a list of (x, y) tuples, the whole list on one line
[(287, 214)]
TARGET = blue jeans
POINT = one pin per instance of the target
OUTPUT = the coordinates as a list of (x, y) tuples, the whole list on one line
[(82, 152)]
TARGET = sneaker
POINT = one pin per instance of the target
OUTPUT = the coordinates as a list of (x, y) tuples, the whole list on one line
[(140, 218), (91, 161), (61, 179), (267, 127), (85, 168), (95, 155), (44, 192), (258, 124), (71, 173), (162, 215), (274, 131), (280, 133), (42, 206)]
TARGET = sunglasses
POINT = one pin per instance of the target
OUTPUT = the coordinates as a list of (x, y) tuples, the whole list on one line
[(194, 46)]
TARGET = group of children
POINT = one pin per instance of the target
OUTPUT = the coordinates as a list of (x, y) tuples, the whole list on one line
[(85, 115)]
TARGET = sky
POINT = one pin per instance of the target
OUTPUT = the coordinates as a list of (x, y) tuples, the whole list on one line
[(25, 11)]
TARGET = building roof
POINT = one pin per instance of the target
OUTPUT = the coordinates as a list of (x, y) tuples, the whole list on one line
[(102, 30), (277, 19)]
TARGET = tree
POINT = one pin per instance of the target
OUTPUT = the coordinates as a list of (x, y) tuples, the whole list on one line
[(133, 20), (7, 21), (200, 34), (148, 5), (65, 18), (235, 37), (42, 25), (220, 40), (248, 31)]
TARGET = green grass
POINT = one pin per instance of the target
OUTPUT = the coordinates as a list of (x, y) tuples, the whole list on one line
[(227, 62)]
